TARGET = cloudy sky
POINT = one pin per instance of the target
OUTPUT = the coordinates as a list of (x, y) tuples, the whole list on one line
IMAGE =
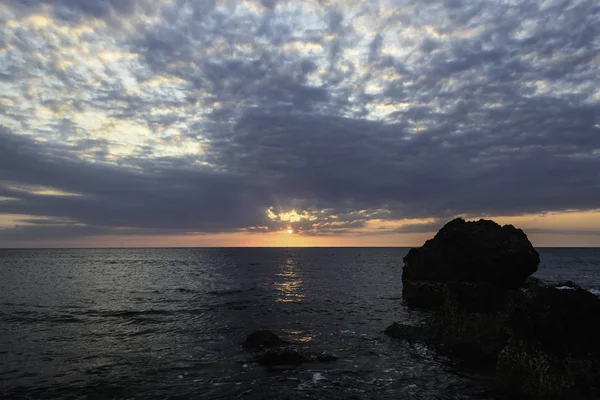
[(358, 122)]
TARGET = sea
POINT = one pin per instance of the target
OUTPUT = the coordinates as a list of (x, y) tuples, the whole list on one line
[(168, 324)]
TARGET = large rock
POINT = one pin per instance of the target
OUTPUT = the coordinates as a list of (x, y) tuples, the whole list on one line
[(470, 273), (480, 251), (542, 339), (484, 258), (553, 351)]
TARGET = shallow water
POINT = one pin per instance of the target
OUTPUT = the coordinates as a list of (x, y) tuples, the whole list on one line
[(168, 323)]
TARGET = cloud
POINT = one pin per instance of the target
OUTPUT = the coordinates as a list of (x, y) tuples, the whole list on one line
[(75, 9), (200, 116)]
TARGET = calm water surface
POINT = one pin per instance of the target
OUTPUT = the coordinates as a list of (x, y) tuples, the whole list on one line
[(168, 323)]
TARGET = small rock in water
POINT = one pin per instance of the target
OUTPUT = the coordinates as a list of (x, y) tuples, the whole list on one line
[(262, 338), (317, 377), (180, 376), (245, 365)]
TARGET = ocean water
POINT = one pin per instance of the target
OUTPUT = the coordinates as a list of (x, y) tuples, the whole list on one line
[(168, 323)]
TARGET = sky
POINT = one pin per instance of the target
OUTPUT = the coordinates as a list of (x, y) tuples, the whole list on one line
[(134, 123)]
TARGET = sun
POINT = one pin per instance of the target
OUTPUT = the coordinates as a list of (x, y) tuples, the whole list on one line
[(290, 231)]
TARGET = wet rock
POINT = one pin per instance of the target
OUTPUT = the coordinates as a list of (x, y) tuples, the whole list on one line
[(260, 339), (476, 338), (423, 294), (282, 357), (412, 333), (553, 351), (480, 252)]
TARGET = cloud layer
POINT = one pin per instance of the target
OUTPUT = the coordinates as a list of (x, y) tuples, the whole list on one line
[(163, 117)]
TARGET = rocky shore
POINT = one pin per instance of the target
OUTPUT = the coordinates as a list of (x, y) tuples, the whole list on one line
[(474, 278)]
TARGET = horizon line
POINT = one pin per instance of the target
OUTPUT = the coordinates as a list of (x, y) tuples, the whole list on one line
[(257, 247)]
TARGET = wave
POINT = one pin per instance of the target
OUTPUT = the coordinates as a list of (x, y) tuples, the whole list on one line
[(32, 317), (225, 292)]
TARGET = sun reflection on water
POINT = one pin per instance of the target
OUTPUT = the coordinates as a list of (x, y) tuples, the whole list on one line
[(289, 287), (298, 336)]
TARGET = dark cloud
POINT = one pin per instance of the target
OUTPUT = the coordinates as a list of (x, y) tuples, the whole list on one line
[(73, 9), (391, 111), (167, 198)]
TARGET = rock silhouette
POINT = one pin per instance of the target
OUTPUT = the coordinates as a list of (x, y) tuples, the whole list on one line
[(484, 258), (486, 308)]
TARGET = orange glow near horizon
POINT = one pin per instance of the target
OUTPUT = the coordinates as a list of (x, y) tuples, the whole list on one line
[(568, 229)]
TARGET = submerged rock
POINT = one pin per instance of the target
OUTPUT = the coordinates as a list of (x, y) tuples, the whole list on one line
[(554, 350), (260, 339)]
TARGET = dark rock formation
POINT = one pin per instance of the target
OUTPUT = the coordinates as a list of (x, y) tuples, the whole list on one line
[(470, 273), (554, 346), (474, 276), (481, 252), (260, 339), (470, 336)]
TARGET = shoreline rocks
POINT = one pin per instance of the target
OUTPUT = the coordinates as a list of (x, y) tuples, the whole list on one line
[(484, 307), (554, 346)]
